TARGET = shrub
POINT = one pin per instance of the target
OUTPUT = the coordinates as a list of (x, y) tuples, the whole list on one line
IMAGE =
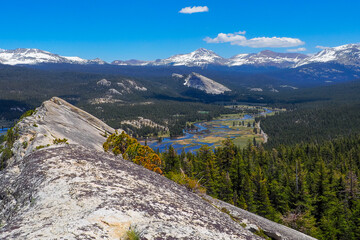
[(42, 146), (225, 210), (6, 153), (190, 183), (118, 143), (133, 151), (27, 114), (133, 234), (11, 136), (59, 141)]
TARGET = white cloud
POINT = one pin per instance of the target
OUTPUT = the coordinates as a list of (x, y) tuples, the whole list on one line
[(195, 9), (302, 49), (322, 47), (238, 38)]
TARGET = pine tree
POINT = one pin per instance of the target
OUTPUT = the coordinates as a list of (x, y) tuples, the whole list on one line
[(225, 188), (226, 155), (210, 173), (264, 207), (172, 162)]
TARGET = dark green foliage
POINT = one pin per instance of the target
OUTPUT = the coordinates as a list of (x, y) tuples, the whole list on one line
[(2, 139), (27, 114), (310, 187), (315, 115), (42, 146), (6, 152), (318, 123)]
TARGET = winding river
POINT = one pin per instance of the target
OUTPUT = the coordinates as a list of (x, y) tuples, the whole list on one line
[(193, 140), (3, 131)]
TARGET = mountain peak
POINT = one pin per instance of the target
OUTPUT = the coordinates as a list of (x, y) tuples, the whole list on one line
[(266, 52), (348, 54), (199, 58), (204, 50)]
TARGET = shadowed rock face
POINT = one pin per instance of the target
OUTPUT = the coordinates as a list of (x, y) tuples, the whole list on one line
[(77, 191)]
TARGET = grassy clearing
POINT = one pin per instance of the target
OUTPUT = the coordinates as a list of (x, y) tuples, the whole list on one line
[(244, 140)]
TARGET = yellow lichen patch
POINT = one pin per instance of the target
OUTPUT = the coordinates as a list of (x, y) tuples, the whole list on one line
[(116, 228)]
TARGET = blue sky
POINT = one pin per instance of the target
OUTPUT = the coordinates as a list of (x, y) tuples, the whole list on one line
[(144, 29)]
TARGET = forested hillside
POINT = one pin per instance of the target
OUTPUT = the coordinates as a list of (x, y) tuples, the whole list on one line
[(174, 114), (315, 115), (311, 187)]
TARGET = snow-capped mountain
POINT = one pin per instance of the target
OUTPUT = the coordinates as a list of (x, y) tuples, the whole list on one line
[(32, 56), (200, 82), (198, 58), (96, 61), (345, 55), (267, 59)]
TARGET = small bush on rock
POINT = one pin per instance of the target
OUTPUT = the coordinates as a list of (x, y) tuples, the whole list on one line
[(133, 151), (133, 234), (59, 141)]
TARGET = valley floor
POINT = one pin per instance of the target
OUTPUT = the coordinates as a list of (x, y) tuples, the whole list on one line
[(241, 128)]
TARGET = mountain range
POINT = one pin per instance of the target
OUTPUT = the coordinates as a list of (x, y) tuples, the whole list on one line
[(31, 56), (348, 55)]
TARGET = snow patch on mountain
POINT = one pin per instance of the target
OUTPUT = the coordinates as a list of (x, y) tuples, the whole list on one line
[(76, 59), (267, 58), (96, 61), (348, 54), (195, 80)]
